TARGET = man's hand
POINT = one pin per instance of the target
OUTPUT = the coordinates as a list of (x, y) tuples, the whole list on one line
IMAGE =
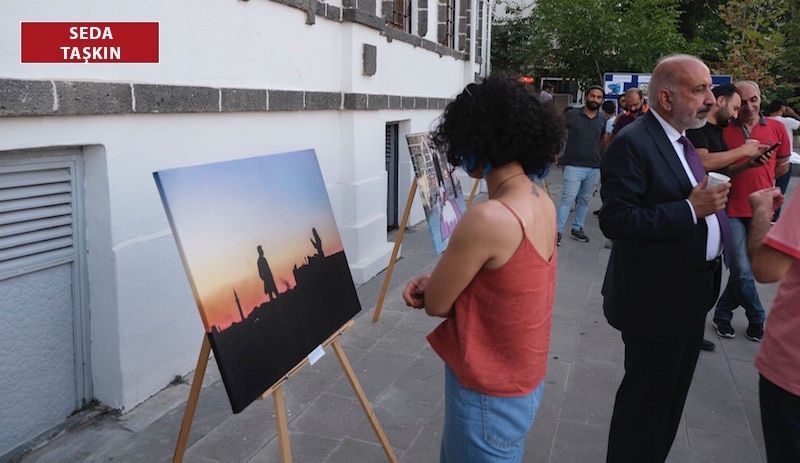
[(764, 202), (760, 160), (752, 148), (707, 201)]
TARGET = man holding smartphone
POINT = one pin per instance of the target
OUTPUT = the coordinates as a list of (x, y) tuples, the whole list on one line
[(747, 176)]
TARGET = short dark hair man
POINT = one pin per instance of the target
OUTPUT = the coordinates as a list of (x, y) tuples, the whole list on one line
[(709, 142), (586, 128), (711, 147), (741, 288)]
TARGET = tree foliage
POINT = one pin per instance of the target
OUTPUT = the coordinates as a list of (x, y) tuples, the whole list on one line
[(583, 39), (754, 43)]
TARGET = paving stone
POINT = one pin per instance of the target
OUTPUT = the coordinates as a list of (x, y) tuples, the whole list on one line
[(579, 442), (591, 388), (304, 447)]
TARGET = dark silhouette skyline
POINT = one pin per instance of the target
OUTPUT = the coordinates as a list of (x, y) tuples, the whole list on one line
[(254, 353)]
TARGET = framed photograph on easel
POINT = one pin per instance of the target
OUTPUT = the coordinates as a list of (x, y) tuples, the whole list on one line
[(439, 189), (265, 261)]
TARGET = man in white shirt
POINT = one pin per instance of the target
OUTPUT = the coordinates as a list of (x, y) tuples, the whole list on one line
[(547, 92), (784, 113)]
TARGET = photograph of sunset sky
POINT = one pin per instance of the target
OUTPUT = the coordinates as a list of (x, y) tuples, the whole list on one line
[(265, 261)]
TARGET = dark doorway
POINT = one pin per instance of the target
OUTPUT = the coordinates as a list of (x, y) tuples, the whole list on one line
[(391, 176)]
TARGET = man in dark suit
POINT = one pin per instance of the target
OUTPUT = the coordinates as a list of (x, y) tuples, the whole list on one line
[(664, 271)]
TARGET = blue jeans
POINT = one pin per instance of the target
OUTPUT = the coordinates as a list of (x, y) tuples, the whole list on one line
[(782, 182), (579, 184), (484, 428), (741, 287), (780, 419)]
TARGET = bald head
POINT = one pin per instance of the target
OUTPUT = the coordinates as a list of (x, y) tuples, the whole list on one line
[(634, 99), (680, 91)]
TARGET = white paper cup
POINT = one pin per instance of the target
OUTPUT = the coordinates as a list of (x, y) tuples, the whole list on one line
[(715, 178)]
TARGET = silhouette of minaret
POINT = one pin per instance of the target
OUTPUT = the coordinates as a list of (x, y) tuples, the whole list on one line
[(238, 304)]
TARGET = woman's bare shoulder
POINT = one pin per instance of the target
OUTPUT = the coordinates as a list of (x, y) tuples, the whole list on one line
[(491, 219)]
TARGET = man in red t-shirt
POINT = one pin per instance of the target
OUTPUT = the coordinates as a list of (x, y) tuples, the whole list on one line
[(775, 254), (748, 175)]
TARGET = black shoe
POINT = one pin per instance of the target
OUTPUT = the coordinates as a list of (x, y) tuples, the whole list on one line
[(579, 235), (755, 331), (558, 243), (707, 345), (724, 328)]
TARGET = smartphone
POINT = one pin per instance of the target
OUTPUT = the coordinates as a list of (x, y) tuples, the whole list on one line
[(772, 148)]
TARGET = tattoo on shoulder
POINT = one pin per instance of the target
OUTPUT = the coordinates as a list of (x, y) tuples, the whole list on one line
[(535, 191)]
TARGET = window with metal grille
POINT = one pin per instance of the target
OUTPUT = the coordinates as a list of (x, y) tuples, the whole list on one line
[(36, 217), (447, 33), (400, 17)]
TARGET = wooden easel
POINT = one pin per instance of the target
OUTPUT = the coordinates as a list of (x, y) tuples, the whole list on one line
[(278, 401), (399, 239)]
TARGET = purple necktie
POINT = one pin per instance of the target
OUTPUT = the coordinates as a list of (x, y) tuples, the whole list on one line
[(699, 172)]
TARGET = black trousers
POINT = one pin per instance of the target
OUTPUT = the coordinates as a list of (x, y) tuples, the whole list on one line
[(650, 400), (780, 419)]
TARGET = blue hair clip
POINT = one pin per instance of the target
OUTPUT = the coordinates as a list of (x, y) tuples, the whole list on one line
[(540, 173), (469, 163)]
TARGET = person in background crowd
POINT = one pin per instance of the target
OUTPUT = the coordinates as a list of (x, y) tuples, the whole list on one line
[(741, 288), (780, 111), (634, 107), (610, 111), (710, 145), (546, 95), (586, 128)]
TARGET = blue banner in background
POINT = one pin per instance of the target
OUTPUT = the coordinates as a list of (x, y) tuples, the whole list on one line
[(617, 83)]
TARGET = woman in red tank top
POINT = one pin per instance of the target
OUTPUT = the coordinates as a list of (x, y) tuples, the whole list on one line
[(494, 286)]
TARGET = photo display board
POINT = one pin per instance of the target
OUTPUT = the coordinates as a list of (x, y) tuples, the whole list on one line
[(265, 261), (616, 83), (439, 188)]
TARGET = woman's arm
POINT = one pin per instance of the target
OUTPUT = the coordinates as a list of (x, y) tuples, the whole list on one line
[(485, 232)]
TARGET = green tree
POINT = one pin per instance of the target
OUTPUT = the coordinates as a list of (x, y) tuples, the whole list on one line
[(512, 41), (787, 68), (583, 39), (755, 39), (648, 31), (704, 30)]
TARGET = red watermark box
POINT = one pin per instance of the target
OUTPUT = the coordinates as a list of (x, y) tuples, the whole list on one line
[(89, 42)]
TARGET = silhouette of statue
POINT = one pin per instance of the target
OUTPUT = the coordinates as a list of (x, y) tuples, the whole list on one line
[(266, 274), (317, 242)]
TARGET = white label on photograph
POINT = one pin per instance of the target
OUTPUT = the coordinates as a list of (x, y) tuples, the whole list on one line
[(315, 355)]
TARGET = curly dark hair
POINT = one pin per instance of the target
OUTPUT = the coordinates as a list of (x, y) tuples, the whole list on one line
[(497, 122)]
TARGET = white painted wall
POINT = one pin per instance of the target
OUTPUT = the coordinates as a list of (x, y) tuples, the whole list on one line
[(145, 327)]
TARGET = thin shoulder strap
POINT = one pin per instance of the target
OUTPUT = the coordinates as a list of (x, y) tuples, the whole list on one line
[(519, 220)]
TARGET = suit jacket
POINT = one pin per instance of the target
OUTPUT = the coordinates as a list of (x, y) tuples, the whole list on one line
[(657, 282)]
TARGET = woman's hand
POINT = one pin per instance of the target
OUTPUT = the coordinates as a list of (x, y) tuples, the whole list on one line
[(414, 292)]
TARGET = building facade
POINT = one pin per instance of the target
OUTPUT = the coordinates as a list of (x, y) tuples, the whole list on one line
[(93, 296)]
